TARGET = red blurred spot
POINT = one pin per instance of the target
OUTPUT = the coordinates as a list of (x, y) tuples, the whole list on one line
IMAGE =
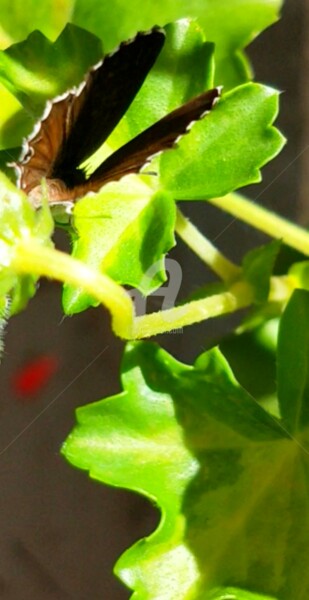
[(34, 376)]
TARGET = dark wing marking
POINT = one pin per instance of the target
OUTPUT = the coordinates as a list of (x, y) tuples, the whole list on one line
[(75, 124), (109, 90), (134, 155)]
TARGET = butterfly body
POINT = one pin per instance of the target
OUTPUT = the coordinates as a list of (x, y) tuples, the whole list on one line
[(75, 124)]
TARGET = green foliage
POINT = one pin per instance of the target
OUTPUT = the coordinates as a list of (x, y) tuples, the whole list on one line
[(239, 125), (258, 266), (120, 227), (18, 223), (36, 69), (220, 446), (230, 479), (231, 25)]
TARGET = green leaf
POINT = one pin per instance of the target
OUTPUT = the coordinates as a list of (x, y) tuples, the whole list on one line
[(18, 221), (258, 266), (231, 25), (293, 364), (300, 270), (14, 122), (36, 70), (20, 17), (124, 231), (230, 481), (254, 351), (18, 218), (207, 162)]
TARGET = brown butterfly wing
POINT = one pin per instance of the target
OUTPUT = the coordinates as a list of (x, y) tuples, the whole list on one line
[(134, 155), (75, 125), (41, 148), (108, 92)]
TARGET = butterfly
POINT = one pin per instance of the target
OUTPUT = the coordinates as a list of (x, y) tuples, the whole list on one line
[(75, 124)]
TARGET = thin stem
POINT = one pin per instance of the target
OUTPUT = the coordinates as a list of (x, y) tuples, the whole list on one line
[(264, 220), (30, 257), (239, 296), (205, 250)]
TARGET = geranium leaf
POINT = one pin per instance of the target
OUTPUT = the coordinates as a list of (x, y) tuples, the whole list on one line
[(228, 477), (206, 164), (124, 231)]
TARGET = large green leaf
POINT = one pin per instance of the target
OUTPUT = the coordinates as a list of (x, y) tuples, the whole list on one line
[(231, 25), (207, 162), (231, 481), (124, 231)]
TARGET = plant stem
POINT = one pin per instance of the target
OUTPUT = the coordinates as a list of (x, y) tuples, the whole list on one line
[(264, 220), (239, 296), (31, 257), (205, 250)]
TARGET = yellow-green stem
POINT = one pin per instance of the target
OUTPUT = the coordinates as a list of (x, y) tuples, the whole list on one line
[(205, 250), (30, 257), (264, 220), (239, 296)]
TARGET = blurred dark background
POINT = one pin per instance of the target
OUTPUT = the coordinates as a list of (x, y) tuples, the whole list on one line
[(60, 531)]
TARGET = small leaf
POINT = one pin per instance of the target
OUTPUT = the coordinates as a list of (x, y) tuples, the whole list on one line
[(293, 363), (258, 266), (124, 231), (207, 162)]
